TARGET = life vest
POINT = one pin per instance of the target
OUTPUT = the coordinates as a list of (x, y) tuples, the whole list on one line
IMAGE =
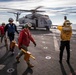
[(66, 32), (11, 28)]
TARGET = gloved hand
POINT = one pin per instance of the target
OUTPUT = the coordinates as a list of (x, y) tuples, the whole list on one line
[(35, 44), (19, 48)]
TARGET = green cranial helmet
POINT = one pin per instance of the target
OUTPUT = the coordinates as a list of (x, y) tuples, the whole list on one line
[(27, 25)]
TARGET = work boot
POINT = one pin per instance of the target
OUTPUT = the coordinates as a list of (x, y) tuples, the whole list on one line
[(13, 53), (30, 65), (17, 58), (12, 50)]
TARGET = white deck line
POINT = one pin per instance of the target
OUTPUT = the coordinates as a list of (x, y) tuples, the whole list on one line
[(1, 66), (55, 43)]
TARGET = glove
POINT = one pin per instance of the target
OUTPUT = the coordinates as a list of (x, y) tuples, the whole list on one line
[(19, 48), (35, 44)]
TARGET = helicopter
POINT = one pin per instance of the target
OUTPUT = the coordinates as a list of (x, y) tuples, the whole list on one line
[(35, 18)]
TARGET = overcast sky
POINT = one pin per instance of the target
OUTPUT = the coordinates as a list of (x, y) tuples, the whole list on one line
[(64, 7)]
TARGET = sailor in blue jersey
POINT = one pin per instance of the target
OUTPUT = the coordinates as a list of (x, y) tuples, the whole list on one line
[(11, 29)]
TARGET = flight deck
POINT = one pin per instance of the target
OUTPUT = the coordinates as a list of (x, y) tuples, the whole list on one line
[(46, 56)]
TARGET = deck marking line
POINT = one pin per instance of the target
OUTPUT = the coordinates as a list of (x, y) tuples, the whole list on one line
[(45, 47), (55, 43), (47, 57), (1, 66), (10, 70)]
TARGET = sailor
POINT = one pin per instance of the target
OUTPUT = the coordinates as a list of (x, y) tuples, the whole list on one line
[(23, 42), (11, 29), (2, 33), (66, 33)]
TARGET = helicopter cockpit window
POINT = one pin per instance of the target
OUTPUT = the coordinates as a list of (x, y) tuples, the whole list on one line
[(45, 22), (49, 21)]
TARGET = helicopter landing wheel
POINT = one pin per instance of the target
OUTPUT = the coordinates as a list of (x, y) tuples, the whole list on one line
[(34, 27), (47, 28)]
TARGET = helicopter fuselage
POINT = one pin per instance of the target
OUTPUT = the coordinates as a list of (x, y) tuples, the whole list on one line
[(40, 21)]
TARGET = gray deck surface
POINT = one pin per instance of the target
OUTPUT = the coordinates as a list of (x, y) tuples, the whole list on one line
[(46, 53)]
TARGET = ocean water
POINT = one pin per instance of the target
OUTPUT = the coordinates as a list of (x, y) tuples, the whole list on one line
[(73, 26)]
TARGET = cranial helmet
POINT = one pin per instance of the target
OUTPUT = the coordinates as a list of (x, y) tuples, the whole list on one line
[(67, 23), (27, 25), (3, 23), (10, 20)]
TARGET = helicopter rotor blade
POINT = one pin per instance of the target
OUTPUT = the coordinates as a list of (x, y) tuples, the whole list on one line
[(34, 10), (15, 13), (12, 12), (38, 7)]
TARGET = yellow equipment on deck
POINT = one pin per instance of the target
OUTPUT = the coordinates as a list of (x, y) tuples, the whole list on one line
[(27, 54)]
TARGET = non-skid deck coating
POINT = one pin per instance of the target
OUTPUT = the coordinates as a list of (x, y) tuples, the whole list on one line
[(46, 53)]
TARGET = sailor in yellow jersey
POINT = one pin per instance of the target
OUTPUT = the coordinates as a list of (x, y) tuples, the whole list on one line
[(66, 33)]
